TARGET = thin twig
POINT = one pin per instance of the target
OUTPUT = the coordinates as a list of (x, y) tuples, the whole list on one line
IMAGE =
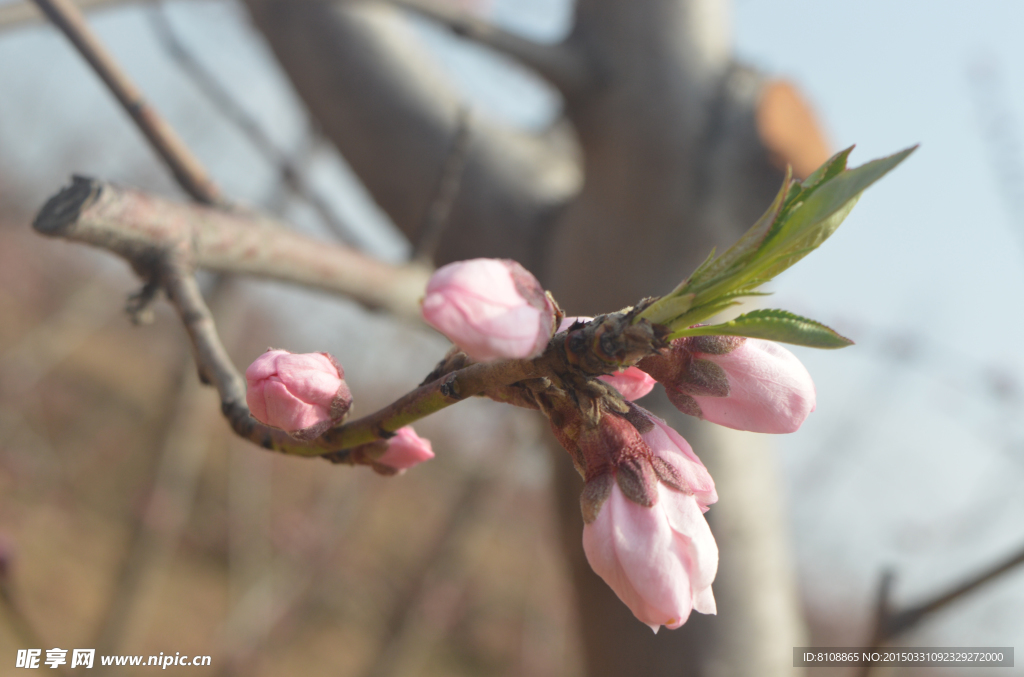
[(563, 65), (187, 169), (288, 169), (901, 621), (448, 184), (165, 242), (215, 367), (25, 13), (890, 624)]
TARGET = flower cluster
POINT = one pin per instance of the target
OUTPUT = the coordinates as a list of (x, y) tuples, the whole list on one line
[(646, 491)]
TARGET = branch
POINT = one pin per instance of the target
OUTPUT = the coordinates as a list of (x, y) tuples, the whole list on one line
[(890, 624), (448, 184), (143, 229), (379, 98), (288, 169), (187, 169), (560, 64), (17, 14), (165, 242)]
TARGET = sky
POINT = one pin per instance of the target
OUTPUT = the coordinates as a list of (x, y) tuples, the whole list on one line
[(914, 458)]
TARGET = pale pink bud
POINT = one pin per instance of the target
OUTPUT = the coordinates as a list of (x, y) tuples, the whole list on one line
[(632, 383), (745, 384), (405, 450), (490, 309), (660, 560), (670, 446), (302, 394), (644, 530)]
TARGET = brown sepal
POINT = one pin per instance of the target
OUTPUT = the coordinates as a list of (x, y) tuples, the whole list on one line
[(667, 473), (638, 418), (703, 378), (609, 342), (595, 492), (638, 481), (684, 403), (715, 345)]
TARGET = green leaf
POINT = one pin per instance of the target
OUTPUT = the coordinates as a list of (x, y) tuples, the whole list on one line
[(831, 197), (801, 217), (773, 325), (747, 246), (701, 270), (832, 167), (667, 308)]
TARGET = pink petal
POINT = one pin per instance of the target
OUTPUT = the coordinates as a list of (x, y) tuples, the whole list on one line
[(406, 449), (654, 581), (687, 521), (480, 306), (301, 394), (631, 383), (770, 391)]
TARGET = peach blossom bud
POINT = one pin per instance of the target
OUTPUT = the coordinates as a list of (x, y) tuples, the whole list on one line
[(644, 531), (405, 450), (490, 309), (632, 383), (302, 394), (659, 560), (745, 384), (689, 474)]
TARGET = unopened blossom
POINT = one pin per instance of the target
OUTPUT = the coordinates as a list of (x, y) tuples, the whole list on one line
[(406, 449), (645, 532), (302, 394), (632, 383), (672, 447), (741, 383), (490, 309)]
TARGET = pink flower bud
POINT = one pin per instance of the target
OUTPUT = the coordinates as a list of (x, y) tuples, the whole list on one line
[(490, 309), (632, 383), (302, 394), (643, 504), (670, 446), (660, 560), (745, 384), (406, 449)]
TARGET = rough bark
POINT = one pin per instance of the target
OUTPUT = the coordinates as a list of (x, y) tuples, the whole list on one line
[(681, 149)]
